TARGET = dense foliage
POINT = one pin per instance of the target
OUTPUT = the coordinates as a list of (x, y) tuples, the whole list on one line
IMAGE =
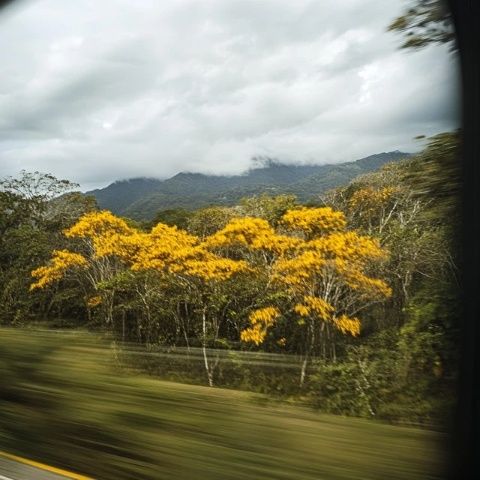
[(360, 290)]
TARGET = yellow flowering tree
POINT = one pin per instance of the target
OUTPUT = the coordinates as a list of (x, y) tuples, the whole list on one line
[(105, 243), (198, 272), (328, 280), (261, 246), (321, 270), (323, 267), (109, 247), (386, 205)]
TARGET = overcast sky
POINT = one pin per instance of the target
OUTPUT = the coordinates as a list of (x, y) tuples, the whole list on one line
[(96, 91)]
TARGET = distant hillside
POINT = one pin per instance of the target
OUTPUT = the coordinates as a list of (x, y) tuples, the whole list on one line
[(119, 195), (141, 198)]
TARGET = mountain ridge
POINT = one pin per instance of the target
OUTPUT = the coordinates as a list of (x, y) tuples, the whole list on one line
[(141, 197)]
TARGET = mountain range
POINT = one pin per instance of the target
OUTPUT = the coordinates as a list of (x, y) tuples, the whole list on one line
[(142, 198)]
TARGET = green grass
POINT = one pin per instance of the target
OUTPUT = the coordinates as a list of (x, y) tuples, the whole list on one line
[(62, 402)]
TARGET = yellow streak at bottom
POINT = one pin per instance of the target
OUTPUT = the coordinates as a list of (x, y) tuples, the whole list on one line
[(42, 466)]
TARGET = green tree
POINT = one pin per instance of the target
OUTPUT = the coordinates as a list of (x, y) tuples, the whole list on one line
[(34, 208), (174, 217), (270, 208), (207, 221)]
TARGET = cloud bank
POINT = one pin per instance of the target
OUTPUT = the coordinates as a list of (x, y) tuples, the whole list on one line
[(98, 91)]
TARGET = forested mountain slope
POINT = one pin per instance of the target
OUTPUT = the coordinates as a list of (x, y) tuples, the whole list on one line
[(141, 198)]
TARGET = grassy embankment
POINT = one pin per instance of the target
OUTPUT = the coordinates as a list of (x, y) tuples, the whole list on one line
[(63, 403)]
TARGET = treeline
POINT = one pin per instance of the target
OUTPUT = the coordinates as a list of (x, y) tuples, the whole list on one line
[(361, 288)]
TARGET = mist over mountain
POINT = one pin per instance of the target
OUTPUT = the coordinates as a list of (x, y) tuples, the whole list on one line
[(141, 198)]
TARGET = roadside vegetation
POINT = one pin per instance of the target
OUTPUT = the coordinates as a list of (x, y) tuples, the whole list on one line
[(65, 402)]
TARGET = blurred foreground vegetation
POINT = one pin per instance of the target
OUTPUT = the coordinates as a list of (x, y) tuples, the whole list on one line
[(64, 401)]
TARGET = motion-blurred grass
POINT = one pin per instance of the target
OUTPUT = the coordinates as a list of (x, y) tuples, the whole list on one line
[(63, 402)]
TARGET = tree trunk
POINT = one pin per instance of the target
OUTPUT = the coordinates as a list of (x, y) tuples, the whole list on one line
[(303, 370), (123, 326), (204, 348), (308, 351)]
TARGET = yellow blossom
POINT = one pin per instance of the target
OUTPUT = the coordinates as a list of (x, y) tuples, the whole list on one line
[(314, 221), (260, 321), (61, 262), (347, 325)]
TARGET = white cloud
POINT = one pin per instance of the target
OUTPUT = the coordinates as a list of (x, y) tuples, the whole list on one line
[(96, 91)]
